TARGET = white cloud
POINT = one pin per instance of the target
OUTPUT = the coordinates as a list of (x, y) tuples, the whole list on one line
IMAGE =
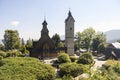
[(15, 23)]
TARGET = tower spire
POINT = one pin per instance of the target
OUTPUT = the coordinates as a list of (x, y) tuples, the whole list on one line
[(69, 16), (69, 13)]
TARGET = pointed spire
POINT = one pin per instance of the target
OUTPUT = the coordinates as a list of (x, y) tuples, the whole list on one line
[(69, 16), (69, 13), (44, 23)]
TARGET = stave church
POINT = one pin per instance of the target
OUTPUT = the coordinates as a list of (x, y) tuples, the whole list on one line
[(45, 48)]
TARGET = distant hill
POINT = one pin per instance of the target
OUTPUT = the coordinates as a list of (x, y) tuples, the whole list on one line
[(113, 35)]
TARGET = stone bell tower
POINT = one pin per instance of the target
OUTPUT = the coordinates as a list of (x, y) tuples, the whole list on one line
[(69, 34)]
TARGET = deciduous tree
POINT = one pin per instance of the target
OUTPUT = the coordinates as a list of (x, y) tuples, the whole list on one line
[(99, 42), (11, 39), (87, 37)]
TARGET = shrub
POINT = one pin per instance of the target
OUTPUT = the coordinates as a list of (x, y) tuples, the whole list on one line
[(67, 77), (1, 62), (116, 68), (1, 57), (111, 70), (64, 58), (73, 58), (25, 68), (72, 69), (103, 75), (86, 58), (2, 53), (13, 53)]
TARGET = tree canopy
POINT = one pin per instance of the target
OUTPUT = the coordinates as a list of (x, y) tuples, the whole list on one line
[(11, 39), (89, 39), (99, 42), (29, 43), (56, 40)]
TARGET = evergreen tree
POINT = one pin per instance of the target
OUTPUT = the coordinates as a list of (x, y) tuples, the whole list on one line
[(29, 43), (23, 42), (56, 40)]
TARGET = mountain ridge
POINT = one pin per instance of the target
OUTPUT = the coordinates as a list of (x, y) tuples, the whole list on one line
[(112, 35)]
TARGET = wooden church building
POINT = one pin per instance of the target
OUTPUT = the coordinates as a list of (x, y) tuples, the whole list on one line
[(44, 47)]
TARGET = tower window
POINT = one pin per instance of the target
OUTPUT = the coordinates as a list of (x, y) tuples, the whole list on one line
[(70, 28)]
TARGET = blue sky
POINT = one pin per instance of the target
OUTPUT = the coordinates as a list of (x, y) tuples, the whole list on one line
[(27, 16)]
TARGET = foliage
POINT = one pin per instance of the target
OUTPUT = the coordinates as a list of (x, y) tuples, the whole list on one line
[(112, 62), (24, 50), (86, 58), (1, 47), (102, 47), (17, 68), (101, 74), (29, 43), (99, 42), (13, 53), (72, 69), (67, 77), (23, 46), (64, 58), (115, 65), (3, 54), (61, 44), (56, 40), (87, 37), (78, 41), (11, 39), (116, 68), (22, 42), (111, 70), (1, 57), (73, 58)]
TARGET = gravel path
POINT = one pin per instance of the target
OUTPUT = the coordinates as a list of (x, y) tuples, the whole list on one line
[(98, 63)]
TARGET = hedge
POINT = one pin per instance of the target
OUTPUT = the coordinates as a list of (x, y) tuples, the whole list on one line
[(72, 69), (22, 68), (63, 58)]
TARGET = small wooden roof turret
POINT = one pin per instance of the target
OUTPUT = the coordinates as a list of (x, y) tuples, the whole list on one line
[(44, 30)]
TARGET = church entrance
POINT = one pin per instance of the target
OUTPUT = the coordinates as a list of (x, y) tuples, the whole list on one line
[(45, 51)]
